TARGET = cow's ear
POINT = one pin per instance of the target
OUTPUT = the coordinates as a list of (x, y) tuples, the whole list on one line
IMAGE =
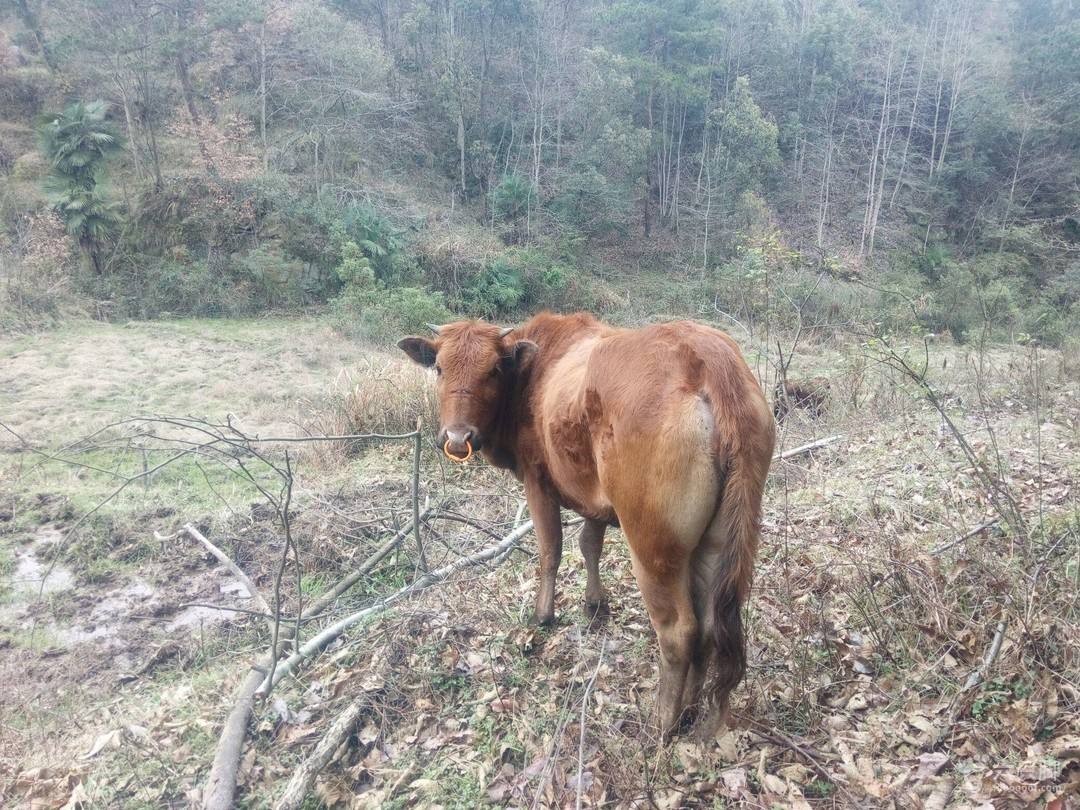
[(521, 356), (419, 349)]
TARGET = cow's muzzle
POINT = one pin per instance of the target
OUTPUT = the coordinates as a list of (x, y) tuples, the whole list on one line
[(459, 444)]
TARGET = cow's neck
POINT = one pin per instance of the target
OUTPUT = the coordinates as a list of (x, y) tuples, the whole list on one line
[(502, 448), (514, 439)]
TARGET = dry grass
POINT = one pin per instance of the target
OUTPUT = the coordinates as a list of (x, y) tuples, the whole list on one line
[(381, 395)]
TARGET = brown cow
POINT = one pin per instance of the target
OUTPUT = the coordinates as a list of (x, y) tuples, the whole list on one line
[(662, 430)]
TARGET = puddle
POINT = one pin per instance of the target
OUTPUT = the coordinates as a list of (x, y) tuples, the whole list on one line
[(196, 616), (34, 572), (111, 612), (32, 577), (110, 617), (107, 616)]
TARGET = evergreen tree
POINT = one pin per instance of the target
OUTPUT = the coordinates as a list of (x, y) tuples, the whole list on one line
[(78, 143)]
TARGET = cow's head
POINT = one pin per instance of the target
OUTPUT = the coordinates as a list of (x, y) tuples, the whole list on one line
[(477, 364)]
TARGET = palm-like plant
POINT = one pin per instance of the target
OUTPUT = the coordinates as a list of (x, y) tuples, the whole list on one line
[(78, 142)]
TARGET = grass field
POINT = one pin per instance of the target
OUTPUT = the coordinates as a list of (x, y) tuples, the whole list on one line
[(864, 627)]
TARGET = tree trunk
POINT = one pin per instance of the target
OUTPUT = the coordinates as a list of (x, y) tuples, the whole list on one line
[(647, 213), (1012, 185), (914, 112), (826, 176), (188, 91), (875, 156), (119, 81), (262, 95), (30, 21)]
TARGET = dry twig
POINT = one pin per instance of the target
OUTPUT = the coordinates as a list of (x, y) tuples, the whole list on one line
[(778, 737), (965, 536), (977, 677), (584, 709)]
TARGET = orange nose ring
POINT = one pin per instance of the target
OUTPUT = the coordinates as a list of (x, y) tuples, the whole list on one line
[(452, 457)]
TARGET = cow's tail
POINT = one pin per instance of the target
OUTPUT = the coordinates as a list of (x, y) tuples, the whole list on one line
[(739, 524)]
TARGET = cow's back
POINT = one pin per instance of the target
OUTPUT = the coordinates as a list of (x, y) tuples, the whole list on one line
[(622, 412)]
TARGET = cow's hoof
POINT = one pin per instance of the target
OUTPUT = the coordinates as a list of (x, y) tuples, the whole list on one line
[(681, 725), (597, 611), (544, 619)]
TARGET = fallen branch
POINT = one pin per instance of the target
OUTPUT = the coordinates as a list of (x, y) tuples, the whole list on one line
[(806, 448), (974, 679), (317, 642), (977, 677), (220, 788), (325, 600), (965, 536), (304, 776), (777, 737), (417, 449)]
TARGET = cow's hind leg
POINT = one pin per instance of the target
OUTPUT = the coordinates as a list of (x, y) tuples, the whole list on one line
[(591, 541), (705, 565), (664, 580)]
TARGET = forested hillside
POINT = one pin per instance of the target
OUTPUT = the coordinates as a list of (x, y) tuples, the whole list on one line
[(911, 164)]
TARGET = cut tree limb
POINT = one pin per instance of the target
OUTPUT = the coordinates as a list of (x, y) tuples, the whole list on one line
[(225, 560), (325, 600), (317, 642), (304, 776), (807, 448), (220, 788)]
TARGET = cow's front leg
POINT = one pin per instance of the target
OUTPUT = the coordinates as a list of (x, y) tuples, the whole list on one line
[(548, 525)]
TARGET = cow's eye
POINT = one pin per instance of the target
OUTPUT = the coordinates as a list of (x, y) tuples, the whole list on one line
[(438, 370), (494, 372)]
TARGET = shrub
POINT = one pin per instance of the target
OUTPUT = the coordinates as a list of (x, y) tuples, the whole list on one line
[(381, 396), (377, 237), (355, 268), (588, 202), (371, 309), (384, 315), (277, 280), (23, 90), (513, 196), (450, 257), (970, 299), (495, 290), (153, 286), (31, 166), (35, 272)]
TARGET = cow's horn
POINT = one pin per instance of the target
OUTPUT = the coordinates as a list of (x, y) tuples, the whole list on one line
[(434, 328), (506, 330)]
